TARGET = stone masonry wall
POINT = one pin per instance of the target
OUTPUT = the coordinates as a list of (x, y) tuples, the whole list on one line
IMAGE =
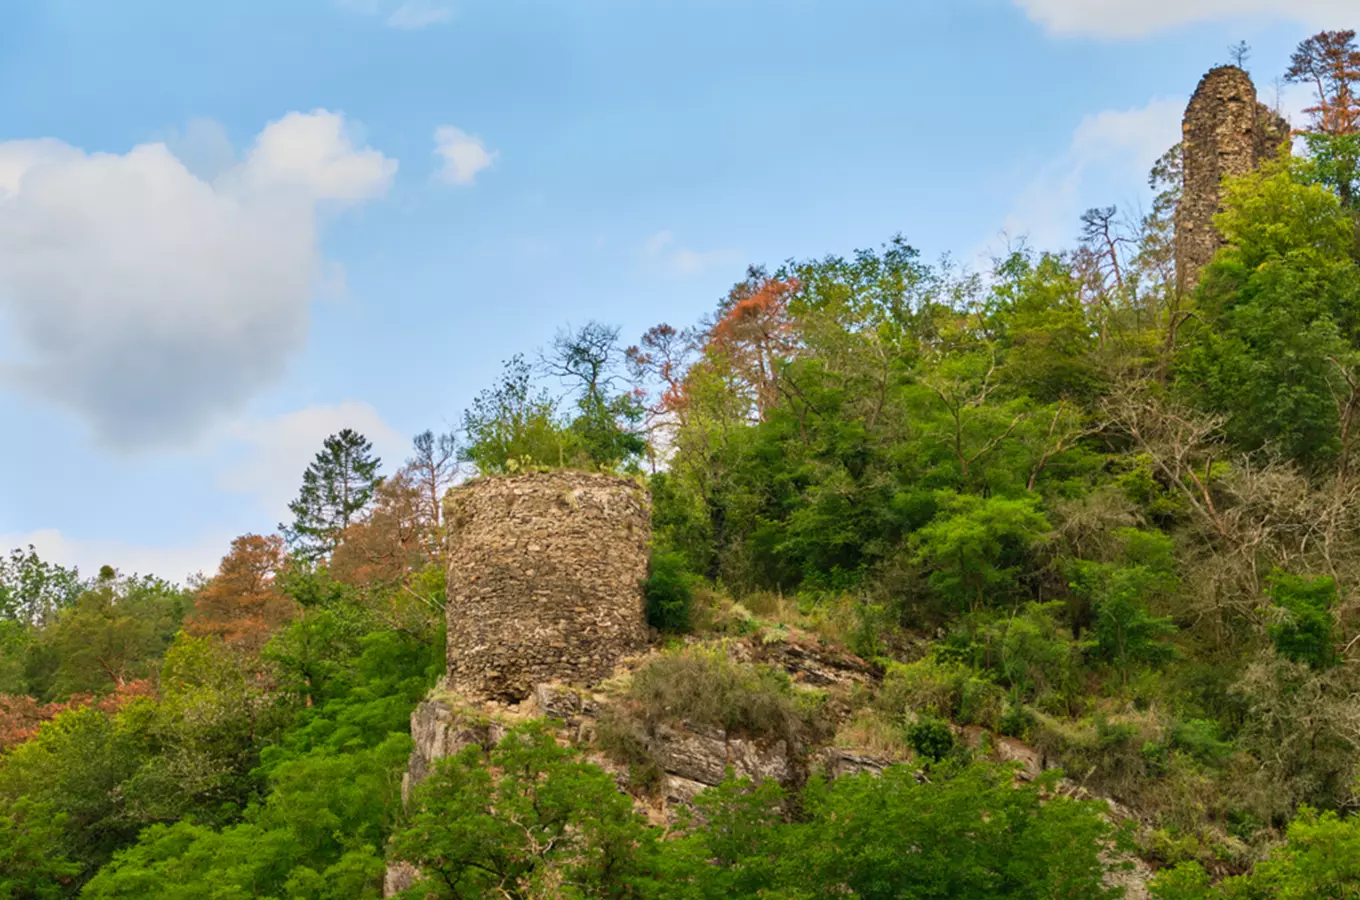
[(544, 584), (1225, 132)]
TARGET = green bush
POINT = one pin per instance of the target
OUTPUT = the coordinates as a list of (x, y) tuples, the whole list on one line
[(706, 687), (944, 690), (669, 590), (931, 738)]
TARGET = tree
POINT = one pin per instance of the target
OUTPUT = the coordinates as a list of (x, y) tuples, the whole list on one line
[(1124, 632), (1239, 53), (588, 361), (1329, 62), (1304, 631), (432, 471), (976, 547), (531, 819), (114, 634), (336, 488), (961, 833), (33, 591), (33, 865), (1279, 308), (514, 424), (243, 604)]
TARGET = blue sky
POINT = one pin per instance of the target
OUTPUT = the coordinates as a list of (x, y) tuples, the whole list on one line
[(229, 229)]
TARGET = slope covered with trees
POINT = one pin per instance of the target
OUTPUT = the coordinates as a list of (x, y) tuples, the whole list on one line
[(1059, 502)]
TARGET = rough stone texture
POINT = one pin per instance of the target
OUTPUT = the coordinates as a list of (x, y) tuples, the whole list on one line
[(400, 876), (544, 581), (1225, 132), (702, 755)]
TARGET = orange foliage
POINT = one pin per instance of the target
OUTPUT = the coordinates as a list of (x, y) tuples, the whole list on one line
[(242, 604), (392, 543), (21, 717), (756, 334)]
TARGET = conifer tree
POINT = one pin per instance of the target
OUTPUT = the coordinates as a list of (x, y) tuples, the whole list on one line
[(336, 487)]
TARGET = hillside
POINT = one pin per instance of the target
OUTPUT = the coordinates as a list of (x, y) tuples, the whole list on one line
[(958, 585)]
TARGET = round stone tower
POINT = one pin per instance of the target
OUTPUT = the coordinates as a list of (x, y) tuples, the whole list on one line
[(545, 574)]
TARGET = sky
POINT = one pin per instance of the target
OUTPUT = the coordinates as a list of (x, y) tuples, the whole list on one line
[(228, 230)]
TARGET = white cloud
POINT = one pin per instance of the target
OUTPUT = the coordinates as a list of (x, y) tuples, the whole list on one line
[(417, 14), (150, 301), (1136, 18), (273, 453), (1106, 162), (464, 155), (175, 562), (682, 260)]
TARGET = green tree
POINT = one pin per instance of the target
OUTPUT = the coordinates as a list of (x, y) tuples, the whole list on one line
[(1304, 634), (33, 863), (1319, 861), (977, 548), (336, 487), (116, 632), (529, 819), (1280, 306), (515, 424), (32, 590), (1125, 634), (963, 833)]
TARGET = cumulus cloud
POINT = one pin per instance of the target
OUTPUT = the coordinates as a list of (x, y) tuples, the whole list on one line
[(418, 14), (151, 301), (1106, 162), (1136, 18), (271, 454), (464, 155)]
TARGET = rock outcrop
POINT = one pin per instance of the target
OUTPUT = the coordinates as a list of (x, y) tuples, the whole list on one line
[(1226, 132)]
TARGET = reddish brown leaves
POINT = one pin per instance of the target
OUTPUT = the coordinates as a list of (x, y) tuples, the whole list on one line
[(21, 717), (242, 604)]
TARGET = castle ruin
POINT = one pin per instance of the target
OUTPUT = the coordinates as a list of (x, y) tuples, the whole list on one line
[(1226, 131), (544, 581)]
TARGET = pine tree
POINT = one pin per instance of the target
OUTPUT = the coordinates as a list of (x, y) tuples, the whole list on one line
[(336, 487)]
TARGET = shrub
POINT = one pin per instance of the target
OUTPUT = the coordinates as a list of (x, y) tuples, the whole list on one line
[(706, 687), (931, 738), (945, 690), (669, 590)]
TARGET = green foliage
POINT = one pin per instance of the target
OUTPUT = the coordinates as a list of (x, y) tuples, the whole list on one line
[(963, 833), (931, 738), (33, 864), (1280, 306), (707, 687), (514, 425), (33, 591), (1126, 634), (1305, 633), (529, 819), (979, 548), (72, 770), (940, 689), (336, 487), (669, 590), (1321, 859)]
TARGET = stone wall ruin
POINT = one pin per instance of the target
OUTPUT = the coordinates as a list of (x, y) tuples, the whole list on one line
[(544, 581), (1226, 131)]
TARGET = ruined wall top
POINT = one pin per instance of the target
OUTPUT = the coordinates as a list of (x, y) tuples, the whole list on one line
[(544, 583), (1226, 131)]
